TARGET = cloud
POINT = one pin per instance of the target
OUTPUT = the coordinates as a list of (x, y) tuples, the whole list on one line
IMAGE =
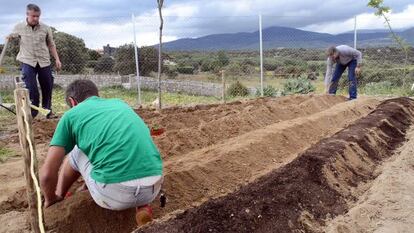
[(399, 20), (101, 22)]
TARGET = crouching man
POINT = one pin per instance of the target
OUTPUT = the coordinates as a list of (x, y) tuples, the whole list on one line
[(107, 144)]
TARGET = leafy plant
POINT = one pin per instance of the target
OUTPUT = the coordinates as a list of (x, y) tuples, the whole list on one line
[(299, 85), (185, 69), (104, 64), (268, 91), (237, 89), (155, 127), (170, 71), (380, 88)]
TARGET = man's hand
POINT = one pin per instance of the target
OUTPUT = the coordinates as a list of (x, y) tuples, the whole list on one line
[(358, 71), (58, 65), (48, 174), (52, 201)]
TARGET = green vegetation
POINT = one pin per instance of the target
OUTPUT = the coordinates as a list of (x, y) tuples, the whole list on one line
[(125, 60), (298, 86), (268, 91), (104, 64), (237, 89), (5, 153), (382, 65), (129, 96), (72, 52)]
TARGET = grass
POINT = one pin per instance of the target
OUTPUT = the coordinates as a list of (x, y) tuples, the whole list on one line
[(5, 153), (129, 96)]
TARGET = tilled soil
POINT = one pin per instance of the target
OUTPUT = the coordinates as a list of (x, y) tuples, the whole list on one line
[(314, 187), (209, 151)]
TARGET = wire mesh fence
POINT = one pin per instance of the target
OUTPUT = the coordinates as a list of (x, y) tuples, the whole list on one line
[(200, 51)]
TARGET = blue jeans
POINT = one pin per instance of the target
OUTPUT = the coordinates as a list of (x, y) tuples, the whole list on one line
[(44, 75), (339, 70)]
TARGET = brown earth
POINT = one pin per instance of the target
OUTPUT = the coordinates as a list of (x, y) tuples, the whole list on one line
[(209, 151), (316, 186), (387, 205)]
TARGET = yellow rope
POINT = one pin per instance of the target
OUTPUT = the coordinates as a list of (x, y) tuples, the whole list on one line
[(32, 172)]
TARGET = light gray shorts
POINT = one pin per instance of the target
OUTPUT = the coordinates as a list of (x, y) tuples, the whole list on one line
[(116, 196)]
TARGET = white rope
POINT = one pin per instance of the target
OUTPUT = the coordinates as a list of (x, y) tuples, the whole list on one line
[(32, 172)]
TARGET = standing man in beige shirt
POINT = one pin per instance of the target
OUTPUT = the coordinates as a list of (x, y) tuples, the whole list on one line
[(36, 44)]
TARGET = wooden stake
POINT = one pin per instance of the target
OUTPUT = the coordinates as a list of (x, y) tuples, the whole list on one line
[(21, 97)]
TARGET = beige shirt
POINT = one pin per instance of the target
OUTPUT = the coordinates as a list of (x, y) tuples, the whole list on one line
[(34, 42)]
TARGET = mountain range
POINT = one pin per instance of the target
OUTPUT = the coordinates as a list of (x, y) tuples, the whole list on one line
[(285, 37)]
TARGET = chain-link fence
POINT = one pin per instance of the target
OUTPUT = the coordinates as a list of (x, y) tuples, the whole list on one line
[(250, 54)]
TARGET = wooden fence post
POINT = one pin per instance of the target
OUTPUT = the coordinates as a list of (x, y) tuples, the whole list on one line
[(223, 81), (21, 96)]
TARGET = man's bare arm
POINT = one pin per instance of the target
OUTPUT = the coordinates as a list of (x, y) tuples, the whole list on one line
[(55, 55), (49, 174)]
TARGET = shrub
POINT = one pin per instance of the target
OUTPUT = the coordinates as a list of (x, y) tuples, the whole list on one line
[(234, 69), (312, 76), (170, 71), (268, 91), (380, 88), (222, 59), (207, 65), (237, 89), (104, 64), (185, 69), (271, 65), (299, 85)]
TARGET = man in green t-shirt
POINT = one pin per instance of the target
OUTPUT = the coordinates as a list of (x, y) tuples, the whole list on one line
[(107, 144)]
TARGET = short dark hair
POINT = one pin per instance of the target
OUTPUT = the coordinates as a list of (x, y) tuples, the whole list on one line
[(32, 7), (331, 50), (80, 90)]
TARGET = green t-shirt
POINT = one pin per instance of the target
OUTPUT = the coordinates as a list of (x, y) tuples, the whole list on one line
[(115, 139)]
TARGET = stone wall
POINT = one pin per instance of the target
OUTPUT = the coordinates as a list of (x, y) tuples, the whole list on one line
[(147, 83)]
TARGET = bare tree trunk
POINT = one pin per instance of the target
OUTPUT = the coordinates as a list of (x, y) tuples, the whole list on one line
[(160, 4)]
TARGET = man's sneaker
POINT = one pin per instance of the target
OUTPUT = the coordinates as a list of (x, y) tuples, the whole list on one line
[(51, 115), (143, 215)]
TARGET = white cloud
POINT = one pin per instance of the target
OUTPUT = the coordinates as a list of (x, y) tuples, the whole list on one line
[(96, 35), (109, 22), (399, 20)]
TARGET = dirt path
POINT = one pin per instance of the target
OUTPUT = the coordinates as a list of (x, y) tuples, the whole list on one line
[(388, 206)]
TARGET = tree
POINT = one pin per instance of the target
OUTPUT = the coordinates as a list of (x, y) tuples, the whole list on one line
[(223, 59), (11, 52), (382, 11), (125, 60), (160, 4), (72, 52), (104, 65), (93, 55), (148, 60)]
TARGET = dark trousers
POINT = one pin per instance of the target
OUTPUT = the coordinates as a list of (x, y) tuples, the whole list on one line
[(44, 75), (339, 70)]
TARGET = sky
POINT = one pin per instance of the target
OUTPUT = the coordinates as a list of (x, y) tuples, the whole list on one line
[(101, 22)]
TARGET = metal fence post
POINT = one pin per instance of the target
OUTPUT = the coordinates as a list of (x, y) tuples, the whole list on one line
[(355, 33), (136, 62), (261, 55)]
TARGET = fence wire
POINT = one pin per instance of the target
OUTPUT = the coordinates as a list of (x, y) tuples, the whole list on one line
[(200, 51)]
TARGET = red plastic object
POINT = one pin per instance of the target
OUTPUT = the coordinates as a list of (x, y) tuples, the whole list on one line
[(157, 132), (68, 194)]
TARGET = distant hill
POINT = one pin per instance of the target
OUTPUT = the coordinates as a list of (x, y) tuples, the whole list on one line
[(284, 37)]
